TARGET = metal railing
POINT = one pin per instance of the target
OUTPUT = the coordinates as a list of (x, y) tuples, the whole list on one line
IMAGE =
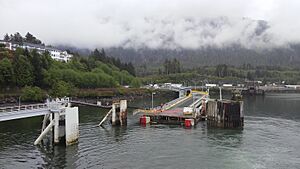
[(24, 107), (55, 104)]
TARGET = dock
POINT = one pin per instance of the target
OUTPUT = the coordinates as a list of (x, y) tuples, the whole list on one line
[(194, 107), (177, 112)]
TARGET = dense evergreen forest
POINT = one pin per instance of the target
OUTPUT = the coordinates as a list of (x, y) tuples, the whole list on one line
[(223, 73), (148, 61)]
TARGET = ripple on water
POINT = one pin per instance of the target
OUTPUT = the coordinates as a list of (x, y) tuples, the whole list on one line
[(265, 142)]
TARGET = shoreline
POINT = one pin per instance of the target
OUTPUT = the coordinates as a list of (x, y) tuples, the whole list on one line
[(105, 95)]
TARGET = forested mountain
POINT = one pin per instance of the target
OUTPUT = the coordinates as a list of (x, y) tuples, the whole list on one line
[(233, 55)]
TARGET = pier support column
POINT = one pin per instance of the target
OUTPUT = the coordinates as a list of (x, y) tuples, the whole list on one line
[(72, 123), (123, 112), (56, 127), (113, 115)]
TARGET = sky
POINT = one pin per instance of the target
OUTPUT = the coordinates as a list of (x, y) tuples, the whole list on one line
[(168, 24)]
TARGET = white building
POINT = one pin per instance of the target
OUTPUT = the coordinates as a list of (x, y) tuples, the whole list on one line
[(227, 85), (55, 54), (211, 85), (8, 45)]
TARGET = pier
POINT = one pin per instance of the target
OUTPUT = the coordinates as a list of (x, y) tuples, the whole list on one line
[(59, 117), (185, 110), (194, 106)]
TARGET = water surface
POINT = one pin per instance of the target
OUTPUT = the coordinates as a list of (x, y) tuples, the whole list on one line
[(270, 139)]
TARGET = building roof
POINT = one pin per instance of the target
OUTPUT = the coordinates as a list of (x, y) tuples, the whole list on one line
[(49, 48)]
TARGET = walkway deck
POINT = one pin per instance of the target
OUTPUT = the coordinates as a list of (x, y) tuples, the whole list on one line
[(25, 111), (32, 110), (174, 114)]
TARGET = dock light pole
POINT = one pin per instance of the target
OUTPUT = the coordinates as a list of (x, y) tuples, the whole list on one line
[(153, 93), (220, 93), (19, 102)]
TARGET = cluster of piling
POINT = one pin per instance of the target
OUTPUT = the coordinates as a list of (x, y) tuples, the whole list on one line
[(117, 114), (225, 113)]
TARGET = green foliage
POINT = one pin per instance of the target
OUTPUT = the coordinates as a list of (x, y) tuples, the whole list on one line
[(136, 83), (29, 68), (61, 89), (6, 72), (32, 94), (101, 56), (172, 66), (17, 37), (229, 74), (221, 70), (23, 71)]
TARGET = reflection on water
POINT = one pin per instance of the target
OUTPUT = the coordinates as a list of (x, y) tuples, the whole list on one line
[(270, 139)]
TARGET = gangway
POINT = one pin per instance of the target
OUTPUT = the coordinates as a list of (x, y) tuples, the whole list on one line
[(31, 110)]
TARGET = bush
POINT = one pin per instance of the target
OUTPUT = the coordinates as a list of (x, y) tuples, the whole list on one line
[(35, 94), (136, 83), (61, 89)]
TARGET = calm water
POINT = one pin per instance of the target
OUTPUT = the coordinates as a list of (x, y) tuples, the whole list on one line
[(270, 139)]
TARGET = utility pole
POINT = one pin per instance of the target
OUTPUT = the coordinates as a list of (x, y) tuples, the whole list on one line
[(153, 93)]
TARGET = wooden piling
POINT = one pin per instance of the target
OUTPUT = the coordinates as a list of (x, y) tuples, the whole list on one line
[(123, 112), (225, 113), (113, 115)]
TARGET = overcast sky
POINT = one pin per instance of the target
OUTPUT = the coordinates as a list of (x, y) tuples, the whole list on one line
[(153, 23)]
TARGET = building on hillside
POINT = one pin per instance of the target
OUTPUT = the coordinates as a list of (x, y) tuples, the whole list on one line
[(210, 85), (8, 45), (227, 85), (55, 54)]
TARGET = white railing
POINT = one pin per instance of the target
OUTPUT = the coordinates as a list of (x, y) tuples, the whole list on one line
[(24, 107), (55, 104)]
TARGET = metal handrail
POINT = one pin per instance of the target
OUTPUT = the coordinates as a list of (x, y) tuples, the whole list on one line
[(23, 107)]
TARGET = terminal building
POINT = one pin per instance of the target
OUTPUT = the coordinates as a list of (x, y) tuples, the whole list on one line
[(56, 54)]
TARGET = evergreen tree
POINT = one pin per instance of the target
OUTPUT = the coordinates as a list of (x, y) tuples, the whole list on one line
[(6, 72), (37, 64), (17, 38), (6, 37), (23, 71)]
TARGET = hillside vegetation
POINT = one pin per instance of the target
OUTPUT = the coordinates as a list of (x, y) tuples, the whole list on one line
[(30, 71)]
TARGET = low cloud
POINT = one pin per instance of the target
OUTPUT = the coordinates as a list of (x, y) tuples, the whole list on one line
[(167, 24)]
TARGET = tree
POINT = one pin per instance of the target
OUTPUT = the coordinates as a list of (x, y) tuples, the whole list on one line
[(36, 63), (17, 38), (23, 71), (172, 66), (6, 72), (167, 65), (250, 75), (61, 89), (32, 39), (221, 70), (136, 83), (131, 69), (32, 94), (176, 66), (6, 37), (29, 38)]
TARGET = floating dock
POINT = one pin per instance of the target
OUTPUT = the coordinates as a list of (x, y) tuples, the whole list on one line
[(191, 109), (185, 110)]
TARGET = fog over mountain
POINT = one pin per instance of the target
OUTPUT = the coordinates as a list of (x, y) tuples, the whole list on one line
[(159, 25), (154, 23)]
